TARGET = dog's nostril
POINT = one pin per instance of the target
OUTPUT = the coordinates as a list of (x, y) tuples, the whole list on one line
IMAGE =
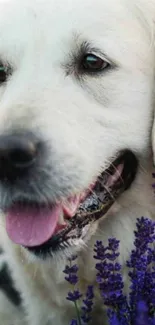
[(17, 154), (21, 154)]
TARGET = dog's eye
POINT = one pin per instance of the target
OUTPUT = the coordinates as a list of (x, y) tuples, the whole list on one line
[(92, 63), (3, 73)]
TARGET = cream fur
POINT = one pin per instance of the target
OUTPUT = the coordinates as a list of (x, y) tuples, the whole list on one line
[(85, 124)]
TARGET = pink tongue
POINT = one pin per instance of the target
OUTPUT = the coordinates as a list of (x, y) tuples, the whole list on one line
[(32, 226)]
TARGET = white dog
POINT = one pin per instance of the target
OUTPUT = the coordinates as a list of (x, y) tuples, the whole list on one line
[(76, 113)]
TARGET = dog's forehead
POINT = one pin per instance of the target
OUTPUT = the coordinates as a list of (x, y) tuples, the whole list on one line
[(22, 21), (46, 15), (52, 29), (59, 8)]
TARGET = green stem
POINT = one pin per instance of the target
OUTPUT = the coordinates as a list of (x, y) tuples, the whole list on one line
[(78, 313)]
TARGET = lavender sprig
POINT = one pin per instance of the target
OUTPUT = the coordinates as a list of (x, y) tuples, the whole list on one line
[(87, 305), (110, 281), (112, 316), (71, 271), (141, 317), (74, 295), (74, 322), (142, 273), (140, 310)]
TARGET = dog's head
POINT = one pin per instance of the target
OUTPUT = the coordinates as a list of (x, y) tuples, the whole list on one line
[(76, 89)]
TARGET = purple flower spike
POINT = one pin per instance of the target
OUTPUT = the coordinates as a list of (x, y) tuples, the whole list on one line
[(74, 296), (74, 322), (142, 273), (139, 307), (110, 281), (71, 271), (113, 320), (87, 305), (142, 317)]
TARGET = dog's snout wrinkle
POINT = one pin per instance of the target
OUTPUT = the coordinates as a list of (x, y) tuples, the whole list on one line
[(18, 153)]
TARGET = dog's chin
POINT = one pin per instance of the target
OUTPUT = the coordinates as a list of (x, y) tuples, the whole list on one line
[(78, 224)]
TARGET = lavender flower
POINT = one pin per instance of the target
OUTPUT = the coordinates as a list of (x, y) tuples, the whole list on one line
[(87, 305), (139, 309), (84, 316), (142, 317), (110, 281), (142, 273), (71, 271), (153, 185), (74, 322), (113, 320), (75, 295)]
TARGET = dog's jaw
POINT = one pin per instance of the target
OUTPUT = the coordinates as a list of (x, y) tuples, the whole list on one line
[(37, 226)]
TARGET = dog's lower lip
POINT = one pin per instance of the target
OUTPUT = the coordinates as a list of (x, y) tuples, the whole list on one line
[(95, 205)]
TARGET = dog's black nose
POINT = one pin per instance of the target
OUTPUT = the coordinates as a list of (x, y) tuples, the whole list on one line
[(17, 155)]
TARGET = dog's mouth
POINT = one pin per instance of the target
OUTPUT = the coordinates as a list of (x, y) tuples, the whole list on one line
[(44, 229)]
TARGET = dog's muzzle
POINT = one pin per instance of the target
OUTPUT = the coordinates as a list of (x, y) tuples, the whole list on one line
[(45, 228)]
